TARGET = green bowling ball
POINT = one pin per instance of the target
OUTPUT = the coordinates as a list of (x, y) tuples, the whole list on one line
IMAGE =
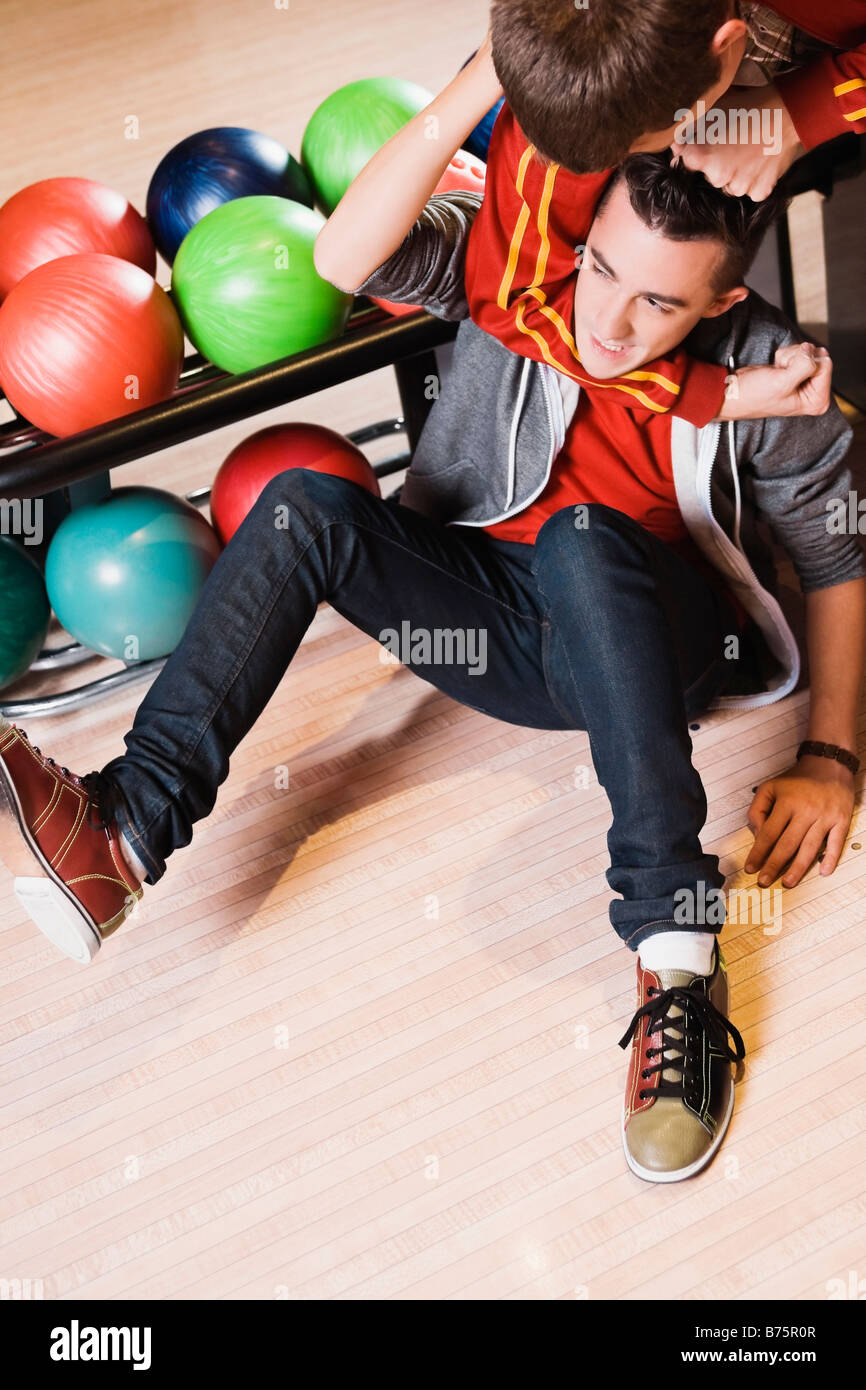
[(124, 574), (350, 125), (246, 288), (24, 611)]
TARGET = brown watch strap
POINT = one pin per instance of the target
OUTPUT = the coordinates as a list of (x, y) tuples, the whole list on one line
[(830, 750)]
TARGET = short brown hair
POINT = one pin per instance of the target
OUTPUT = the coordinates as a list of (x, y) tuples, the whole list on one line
[(585, 84), (681, 204)]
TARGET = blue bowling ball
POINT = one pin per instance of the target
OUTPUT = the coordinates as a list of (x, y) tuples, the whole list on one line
[(211, 168), (478, 143)]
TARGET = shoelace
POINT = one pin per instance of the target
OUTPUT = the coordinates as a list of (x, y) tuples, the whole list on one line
[(698, 1010), (97, 789)]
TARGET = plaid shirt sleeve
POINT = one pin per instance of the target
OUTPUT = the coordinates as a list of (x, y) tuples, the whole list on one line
[(823, 88)]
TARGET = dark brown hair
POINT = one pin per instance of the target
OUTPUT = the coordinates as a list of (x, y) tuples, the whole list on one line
[(681, 204), (585, 84)]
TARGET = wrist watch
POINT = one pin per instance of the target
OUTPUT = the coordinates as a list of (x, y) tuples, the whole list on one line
[(830, 750)]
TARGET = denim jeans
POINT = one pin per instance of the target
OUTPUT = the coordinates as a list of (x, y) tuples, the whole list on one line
[(604, 629)]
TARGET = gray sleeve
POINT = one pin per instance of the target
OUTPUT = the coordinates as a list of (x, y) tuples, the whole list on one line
[(793, 469), (427, 269), (800, 483)]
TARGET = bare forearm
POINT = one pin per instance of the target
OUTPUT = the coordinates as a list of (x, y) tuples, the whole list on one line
[(387, 197), (836, 638)]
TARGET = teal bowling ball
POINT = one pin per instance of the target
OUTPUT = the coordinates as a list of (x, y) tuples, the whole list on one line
[(24, 611), (124, 574)]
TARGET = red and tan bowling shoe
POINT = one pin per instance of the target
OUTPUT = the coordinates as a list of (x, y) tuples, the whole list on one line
[(679, 1093), (70, 874)]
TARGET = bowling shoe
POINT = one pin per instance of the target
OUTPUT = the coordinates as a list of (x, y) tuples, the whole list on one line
[(56, 837), (680, 1087)]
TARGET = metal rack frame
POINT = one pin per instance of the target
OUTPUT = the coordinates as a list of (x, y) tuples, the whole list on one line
[(33, 464)]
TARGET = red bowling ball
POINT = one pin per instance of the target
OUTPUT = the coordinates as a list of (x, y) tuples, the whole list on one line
[(68, 217), (252, 464), (85, 339)]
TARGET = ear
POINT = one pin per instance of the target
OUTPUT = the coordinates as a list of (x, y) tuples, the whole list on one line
[(727, 34), (725, 301)]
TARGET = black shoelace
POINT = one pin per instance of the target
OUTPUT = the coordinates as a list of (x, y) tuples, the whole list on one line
[(98, 790), (683, 1054)]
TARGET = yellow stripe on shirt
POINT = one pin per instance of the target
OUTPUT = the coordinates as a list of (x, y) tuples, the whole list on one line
[(538, 294), (541, 223), (517, 237), (567, 338), (604, 385), (849, 86)]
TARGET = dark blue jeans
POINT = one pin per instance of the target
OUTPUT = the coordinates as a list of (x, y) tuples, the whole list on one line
[(604, 629)]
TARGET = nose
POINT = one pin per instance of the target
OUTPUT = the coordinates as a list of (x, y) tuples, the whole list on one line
[(612, 320)]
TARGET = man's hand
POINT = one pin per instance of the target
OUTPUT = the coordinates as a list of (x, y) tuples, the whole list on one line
[(760, 142), (794, 813), (798, 383)]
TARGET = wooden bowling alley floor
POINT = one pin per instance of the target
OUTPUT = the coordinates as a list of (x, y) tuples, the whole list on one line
[(361, 1041)]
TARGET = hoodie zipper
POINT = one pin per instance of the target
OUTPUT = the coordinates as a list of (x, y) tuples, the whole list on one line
[(512, 434), (554, 434), (739, 563)]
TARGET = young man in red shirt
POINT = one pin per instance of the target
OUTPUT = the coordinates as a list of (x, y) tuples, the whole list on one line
[(564, 574), (586, 86)]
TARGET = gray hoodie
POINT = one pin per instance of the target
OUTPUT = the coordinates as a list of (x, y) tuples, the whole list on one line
[(489, 443)]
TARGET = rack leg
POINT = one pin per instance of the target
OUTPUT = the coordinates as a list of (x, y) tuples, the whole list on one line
[(414, 377)]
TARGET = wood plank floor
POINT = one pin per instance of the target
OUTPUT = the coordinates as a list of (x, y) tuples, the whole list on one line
[(360, 1042)]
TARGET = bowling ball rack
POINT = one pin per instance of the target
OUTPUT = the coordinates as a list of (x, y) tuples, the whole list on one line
[(74, 470)]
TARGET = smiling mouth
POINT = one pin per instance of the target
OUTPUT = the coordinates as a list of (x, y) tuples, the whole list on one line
[(608, 349)]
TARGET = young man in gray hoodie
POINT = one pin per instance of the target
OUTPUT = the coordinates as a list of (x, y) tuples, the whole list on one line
[(596, 623)]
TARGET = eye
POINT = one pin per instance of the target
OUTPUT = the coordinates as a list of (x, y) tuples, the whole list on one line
[(655, 304), (598, 270)]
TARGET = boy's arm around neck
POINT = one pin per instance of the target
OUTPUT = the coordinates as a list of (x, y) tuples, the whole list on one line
[(794, 469), (428, 268), (387, 197)]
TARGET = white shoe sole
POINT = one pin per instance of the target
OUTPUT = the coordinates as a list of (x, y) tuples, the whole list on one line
[(57, 918), (678, 1174)]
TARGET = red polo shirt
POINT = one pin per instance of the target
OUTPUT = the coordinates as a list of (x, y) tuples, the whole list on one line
[(520, 269), (623, 459), (828, 96), (521, 250)]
